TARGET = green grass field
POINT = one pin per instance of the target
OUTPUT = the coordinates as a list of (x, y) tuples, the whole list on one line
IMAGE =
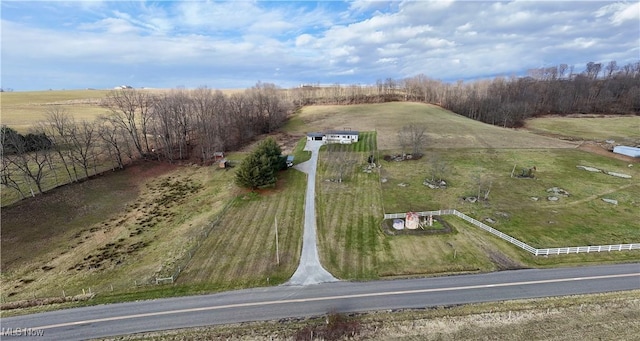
[(618, 128), (444, 129), (241, 251), (579, 219), (351, 240)]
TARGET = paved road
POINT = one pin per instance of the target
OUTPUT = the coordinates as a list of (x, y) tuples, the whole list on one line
[(292, 301), (310, 271)]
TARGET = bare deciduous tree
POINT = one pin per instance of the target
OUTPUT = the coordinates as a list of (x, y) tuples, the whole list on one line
[(438, 169), (413, 136), (131, 110)]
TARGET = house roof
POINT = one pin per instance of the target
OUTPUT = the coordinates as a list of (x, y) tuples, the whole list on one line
[(343, 132), (315, 134)]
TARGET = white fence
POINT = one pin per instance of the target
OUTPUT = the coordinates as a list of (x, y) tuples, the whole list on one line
[(520, 244)]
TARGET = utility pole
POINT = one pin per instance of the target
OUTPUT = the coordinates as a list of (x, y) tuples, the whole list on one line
[(277, 248)]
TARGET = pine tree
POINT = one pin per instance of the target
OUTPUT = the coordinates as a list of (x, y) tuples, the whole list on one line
[(259, 168)]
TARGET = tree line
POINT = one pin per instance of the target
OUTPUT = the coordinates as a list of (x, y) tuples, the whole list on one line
[(173, 126), (504, 101), (557, 90)]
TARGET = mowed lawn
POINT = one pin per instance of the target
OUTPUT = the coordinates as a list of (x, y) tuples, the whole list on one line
[(352, 244), (618, 128), (241, 250), (444, 129)]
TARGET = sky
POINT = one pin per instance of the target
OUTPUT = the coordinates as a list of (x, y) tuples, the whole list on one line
[(235, 44)]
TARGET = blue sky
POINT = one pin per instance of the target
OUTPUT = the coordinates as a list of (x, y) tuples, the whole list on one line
[(222, 44)]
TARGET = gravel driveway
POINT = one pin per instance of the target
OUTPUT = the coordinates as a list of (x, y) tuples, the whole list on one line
[(310, 271)]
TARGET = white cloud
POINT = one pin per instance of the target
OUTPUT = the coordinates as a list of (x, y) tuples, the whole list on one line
[(629, 12), (357, 42), (111, 26), (304, 39)]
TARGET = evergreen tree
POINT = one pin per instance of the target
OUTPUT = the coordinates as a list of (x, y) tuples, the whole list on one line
[(259, 168)]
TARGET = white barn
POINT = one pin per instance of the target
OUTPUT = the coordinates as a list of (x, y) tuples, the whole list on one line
[(335, 136)]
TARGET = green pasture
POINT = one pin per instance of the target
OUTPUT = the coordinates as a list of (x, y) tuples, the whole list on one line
[(582, 218), (352, 244), (350, 212), (622, 129), (444, 129)]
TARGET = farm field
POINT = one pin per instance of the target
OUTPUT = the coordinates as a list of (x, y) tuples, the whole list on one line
[(582, 218), (444, 128), (622, 129), (22, 110), (353, 245)]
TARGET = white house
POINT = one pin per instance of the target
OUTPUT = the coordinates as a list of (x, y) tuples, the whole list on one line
[(335, 136)]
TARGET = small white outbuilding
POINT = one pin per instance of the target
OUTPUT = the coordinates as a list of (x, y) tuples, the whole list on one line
[(626, 150)]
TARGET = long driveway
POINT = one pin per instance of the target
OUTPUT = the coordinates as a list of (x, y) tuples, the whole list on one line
[(279, 302), (310, 271)]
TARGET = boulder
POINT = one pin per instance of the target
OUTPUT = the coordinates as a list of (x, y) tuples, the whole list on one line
[(620, 175), (589, 169), (558, 191), (611, 201), (553, 198)]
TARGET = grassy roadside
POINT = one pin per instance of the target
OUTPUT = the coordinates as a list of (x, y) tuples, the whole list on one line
[(593, 317)]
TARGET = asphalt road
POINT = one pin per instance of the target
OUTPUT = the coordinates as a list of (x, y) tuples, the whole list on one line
[(296, 301)]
